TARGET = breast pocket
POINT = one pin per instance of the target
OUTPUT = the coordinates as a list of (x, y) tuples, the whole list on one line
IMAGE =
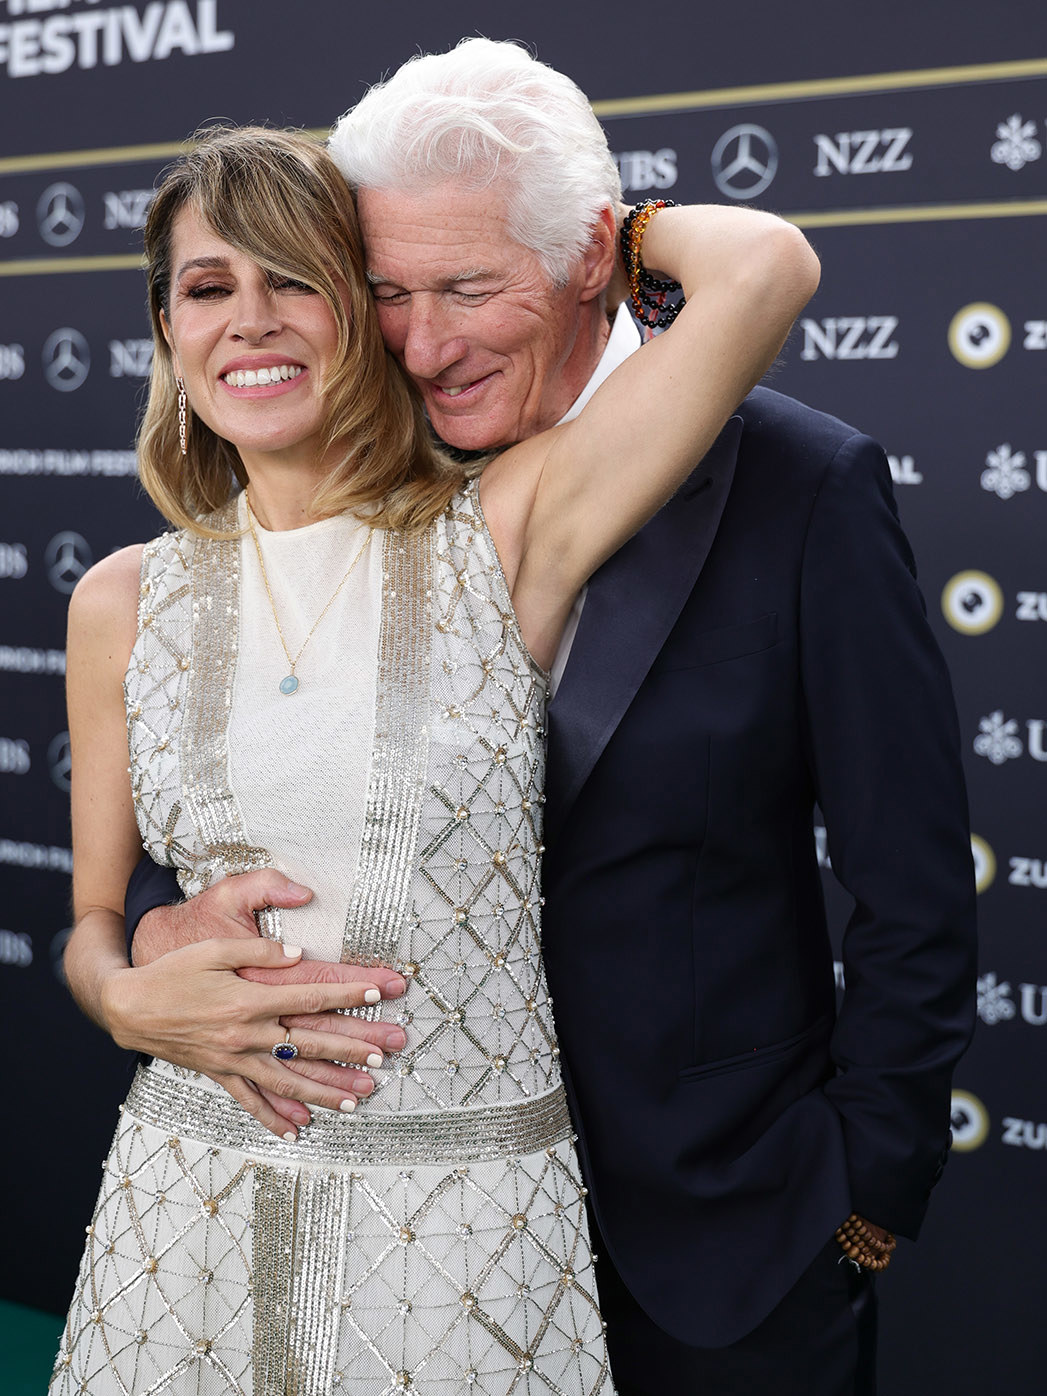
[(726, 643)]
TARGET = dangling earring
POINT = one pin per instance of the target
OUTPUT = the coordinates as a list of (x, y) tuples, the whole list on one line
[(182, 428)]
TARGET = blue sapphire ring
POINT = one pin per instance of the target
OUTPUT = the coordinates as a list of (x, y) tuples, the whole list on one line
[(284, 1051)]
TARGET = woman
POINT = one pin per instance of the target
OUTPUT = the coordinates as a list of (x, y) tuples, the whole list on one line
[(343, 665)]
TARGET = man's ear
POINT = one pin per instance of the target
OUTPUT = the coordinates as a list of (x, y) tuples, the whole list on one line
[(600, 254)]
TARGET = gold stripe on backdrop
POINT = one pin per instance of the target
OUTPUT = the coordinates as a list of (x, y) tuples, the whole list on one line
[(917, 213), (44, 266), (619, 106), (822, 87), (626, 106), (819, 218)]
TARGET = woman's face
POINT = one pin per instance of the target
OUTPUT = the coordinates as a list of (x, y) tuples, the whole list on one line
[(252, 348)]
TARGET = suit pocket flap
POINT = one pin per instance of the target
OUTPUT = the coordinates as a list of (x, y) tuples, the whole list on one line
[(762, 1056)]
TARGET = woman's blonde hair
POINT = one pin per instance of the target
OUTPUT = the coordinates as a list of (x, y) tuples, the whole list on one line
[(277, 197)]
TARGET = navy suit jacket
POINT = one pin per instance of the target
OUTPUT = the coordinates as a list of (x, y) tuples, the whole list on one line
[(760, 645)]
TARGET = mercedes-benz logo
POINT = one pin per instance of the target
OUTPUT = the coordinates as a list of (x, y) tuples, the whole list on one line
[(67, 558), (745, 160), (60, 214), (67, 360), (57, 950), (59, 760)]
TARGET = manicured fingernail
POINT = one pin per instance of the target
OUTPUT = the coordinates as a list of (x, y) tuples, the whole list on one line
[(295, 889), (292, 951), (373, 1059), (290, 1136), (372, 996), (396, 987), (348, 1105), (364, 1086)]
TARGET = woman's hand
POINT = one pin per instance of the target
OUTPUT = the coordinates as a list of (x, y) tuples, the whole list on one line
[(193, 1008)]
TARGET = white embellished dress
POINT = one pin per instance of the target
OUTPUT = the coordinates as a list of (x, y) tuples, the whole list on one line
[(435, 1241)]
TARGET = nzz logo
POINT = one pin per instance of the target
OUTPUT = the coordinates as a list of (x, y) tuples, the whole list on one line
[(850, 337), (864, 152)]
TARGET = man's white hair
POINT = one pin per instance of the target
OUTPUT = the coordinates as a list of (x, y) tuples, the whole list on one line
[(486, 113)]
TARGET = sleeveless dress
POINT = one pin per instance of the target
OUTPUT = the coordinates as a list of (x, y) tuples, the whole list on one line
[(436, 1240)]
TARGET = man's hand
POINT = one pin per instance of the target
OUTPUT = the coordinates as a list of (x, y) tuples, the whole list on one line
[(227, 911)]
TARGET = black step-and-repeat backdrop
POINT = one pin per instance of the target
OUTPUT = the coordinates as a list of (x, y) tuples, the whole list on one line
[(911, 143)]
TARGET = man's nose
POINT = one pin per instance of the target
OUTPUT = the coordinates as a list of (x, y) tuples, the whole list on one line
[(431, 345)]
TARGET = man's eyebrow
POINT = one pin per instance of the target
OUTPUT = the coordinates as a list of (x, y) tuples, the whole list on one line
[(212, 263), (375, 278)]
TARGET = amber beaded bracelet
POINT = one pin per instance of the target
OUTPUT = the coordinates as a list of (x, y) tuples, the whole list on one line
[(862, 1246), (647, 292)]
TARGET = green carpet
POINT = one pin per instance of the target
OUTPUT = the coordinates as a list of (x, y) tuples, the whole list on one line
[(28, 1343)]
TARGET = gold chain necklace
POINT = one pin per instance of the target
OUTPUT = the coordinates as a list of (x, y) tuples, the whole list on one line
[(289, 684)]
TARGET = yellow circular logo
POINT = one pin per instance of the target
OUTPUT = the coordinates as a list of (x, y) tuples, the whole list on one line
[(979, 335), (969, 1121), (972, 602), (984, 863)]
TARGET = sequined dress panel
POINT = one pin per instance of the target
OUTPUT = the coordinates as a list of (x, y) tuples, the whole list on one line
[(436, 1240)]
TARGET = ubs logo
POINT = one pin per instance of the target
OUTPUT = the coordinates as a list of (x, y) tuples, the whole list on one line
[(67, 360), (998, 739), (67, 558), (979, 335), (972, 602), (969, 1121), (60, 214), (647, 169), (12, 362), (744, 161), (14, 756), (995, 1004), (1016, 144)]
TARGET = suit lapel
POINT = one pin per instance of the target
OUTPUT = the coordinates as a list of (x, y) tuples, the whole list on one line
[(634, 601)]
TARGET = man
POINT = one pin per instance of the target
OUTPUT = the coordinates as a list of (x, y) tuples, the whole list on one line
[(759, 646)]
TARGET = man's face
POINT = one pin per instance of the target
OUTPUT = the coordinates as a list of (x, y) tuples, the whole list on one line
[(497, 352)]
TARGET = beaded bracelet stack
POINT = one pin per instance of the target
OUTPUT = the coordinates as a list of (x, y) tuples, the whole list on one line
[(862, 1246), (647, 292)]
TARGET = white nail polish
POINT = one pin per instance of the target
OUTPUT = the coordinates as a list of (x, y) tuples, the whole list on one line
[(292, 951), (290, 1137), (373, 1059), (348, 1105), (372, 996)]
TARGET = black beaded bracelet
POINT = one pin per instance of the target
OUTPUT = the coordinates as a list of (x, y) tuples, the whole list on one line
[(648, 293)]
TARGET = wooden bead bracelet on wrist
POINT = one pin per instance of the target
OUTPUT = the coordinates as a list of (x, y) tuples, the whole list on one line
[(864, 1247)]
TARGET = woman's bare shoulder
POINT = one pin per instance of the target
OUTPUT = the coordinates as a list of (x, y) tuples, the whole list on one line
[(104, 605)]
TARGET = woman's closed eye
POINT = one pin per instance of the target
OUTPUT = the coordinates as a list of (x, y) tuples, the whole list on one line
[(206, 292), (288, 283)]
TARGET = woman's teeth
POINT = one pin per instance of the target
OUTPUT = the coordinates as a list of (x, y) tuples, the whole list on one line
[(260, 377)]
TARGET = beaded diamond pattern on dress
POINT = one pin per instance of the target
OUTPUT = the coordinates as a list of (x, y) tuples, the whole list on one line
[(436, 1241)]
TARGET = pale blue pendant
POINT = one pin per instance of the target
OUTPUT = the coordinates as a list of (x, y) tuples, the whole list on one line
[(289, 685)]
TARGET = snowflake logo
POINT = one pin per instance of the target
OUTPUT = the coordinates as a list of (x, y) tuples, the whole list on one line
[(1005, 472), (1017, 143), (998, 740), (994, 1000)]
